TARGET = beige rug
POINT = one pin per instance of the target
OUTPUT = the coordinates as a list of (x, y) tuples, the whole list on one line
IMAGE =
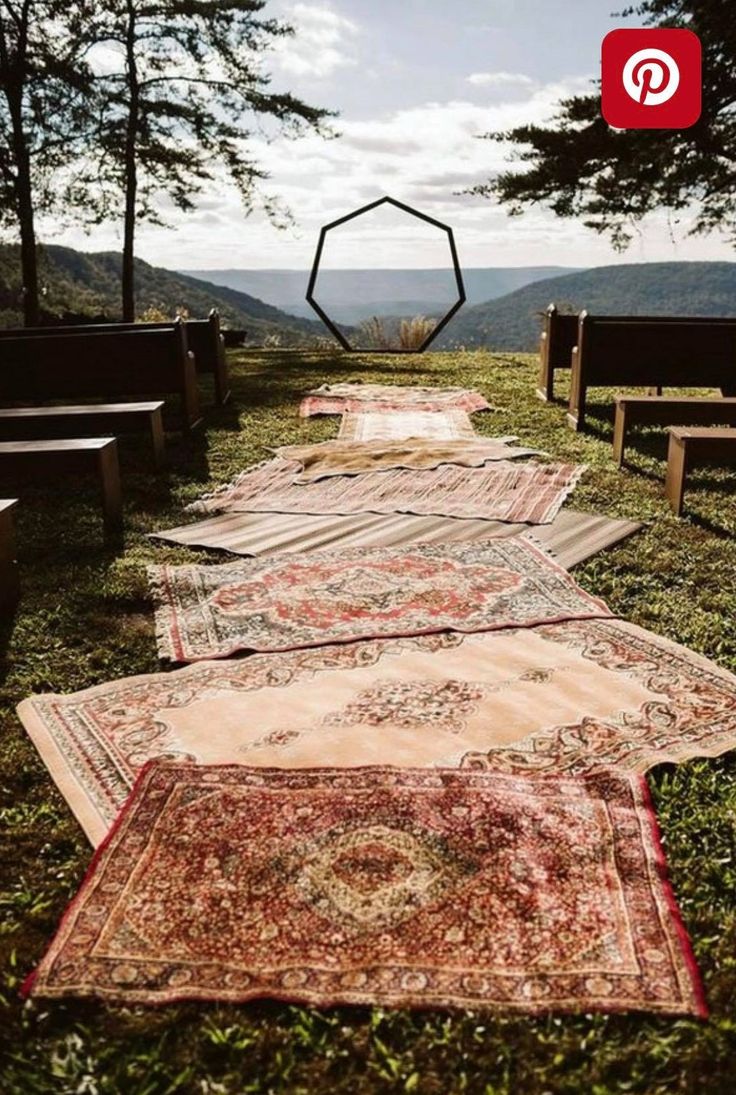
[(330, 458), (571, 537), (287, 601), (500, 492), (569, 697), (398, 425)]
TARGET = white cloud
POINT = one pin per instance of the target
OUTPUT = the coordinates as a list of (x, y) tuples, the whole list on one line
[(422, 155), (321, 44), (500, 79)]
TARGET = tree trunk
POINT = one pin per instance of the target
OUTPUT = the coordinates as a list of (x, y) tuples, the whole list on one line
[(131, 171), (28, 258), (12, 83)]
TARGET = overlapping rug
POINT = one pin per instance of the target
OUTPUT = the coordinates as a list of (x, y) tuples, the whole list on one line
[(502, 491), (505, 716), (330, 458), (287, 602), (561, 698), (357, 398), (398, 425), (571, 537), (378, 886)]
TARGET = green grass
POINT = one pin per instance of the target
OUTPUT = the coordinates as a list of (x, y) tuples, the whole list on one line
[(84, 618)]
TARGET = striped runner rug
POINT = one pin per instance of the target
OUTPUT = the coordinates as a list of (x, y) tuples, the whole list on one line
[(502, 491), (571, 537)]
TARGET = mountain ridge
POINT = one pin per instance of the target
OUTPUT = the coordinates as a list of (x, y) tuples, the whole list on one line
[(87, 284), (513, 322)]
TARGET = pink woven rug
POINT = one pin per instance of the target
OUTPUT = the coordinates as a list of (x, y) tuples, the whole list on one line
[(351, 398), (531, 493), (287, 602), (398, 425), (401, 888)]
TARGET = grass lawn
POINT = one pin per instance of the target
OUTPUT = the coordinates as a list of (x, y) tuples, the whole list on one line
[(84, 618)]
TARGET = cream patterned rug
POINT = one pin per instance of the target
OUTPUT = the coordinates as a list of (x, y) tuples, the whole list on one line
[(563, 698)]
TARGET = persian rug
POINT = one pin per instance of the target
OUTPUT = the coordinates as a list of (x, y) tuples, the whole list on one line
[(564, 698), (288, 601), (503, 491), (351, 398), (329, 458), (571, 537), (398, 425), (379, 886)]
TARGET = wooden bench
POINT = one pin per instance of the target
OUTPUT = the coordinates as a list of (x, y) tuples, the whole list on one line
[(32, 423), (558, 339), (668, 411), (690, 446), (234, 337), (204, 339), (666, 351), (40, 368), (70, 455), (9, 585)]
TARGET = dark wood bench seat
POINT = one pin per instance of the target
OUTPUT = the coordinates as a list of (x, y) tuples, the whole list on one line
[(666, 410), (695, 445), (75, 366), (651, 351), (203, 338), (98, 455), (33, 423), (9, 585)]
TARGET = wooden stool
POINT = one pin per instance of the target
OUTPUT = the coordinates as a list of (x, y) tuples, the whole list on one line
[(98, 454), (690, 446)]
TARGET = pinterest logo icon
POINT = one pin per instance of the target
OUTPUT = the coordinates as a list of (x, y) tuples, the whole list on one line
[(651, 76), (651, 79)]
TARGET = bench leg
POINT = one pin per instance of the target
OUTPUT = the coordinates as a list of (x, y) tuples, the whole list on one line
[(222, 379), (546, 384), (578, 392), (112, 502), (576, 410), (9, 584), (158, 440), (674, 485), (619, 433)]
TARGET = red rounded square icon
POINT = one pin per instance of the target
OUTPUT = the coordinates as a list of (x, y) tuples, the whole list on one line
[(651, 79)]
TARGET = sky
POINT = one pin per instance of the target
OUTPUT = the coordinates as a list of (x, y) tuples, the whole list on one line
[(416, 83)]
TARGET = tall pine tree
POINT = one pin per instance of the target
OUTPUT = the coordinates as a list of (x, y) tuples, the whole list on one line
[(610, 179), (45, 90), (180, 87)]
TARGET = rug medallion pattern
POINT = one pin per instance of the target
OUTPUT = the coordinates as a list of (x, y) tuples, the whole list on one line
[(381, 886)]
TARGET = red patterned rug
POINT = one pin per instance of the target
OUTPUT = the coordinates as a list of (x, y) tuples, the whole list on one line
[(406, 888), (287, 602), (503, 491)]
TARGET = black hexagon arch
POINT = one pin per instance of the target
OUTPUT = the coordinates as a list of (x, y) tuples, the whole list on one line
[(333, 328)]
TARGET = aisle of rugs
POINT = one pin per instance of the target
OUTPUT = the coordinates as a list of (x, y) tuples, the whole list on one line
[(404, 763)]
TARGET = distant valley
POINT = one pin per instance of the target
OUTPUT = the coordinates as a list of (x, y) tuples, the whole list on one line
[(350, 296), (269, 304)]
